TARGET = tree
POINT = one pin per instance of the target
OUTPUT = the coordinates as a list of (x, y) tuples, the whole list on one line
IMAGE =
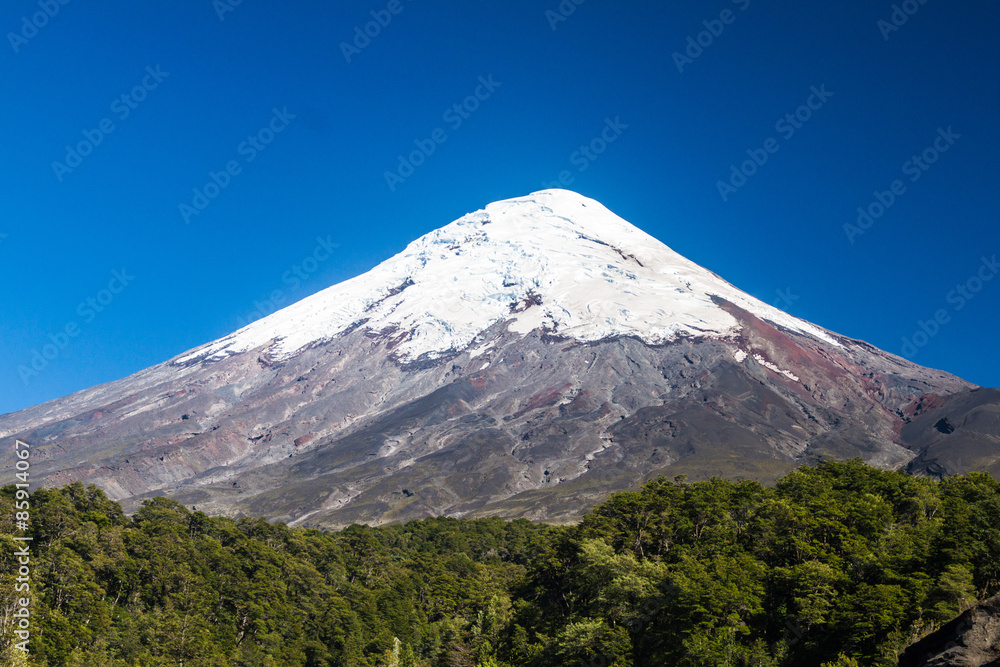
[(954, 593)]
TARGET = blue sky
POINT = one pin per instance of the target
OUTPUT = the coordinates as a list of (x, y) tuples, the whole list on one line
[(155, 98)]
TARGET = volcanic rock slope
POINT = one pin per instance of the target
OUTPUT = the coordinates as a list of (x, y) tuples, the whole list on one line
[(971, 640), (524, 360)]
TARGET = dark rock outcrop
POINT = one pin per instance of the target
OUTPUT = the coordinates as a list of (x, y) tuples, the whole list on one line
[(971, 640)]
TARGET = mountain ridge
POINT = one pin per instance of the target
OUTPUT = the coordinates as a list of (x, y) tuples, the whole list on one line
[(517, 362)]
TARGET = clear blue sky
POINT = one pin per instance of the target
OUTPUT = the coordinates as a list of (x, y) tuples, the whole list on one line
[(67, 229)]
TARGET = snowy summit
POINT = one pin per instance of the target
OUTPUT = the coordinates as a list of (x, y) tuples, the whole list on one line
[(553, 259)]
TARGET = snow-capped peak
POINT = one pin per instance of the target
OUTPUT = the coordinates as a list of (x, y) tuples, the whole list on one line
[(552, 259)]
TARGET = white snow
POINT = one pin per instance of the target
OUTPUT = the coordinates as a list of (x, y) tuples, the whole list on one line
[(552, 245), (767, 364), (481, 350)]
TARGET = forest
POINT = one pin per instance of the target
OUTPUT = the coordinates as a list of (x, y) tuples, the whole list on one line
[(834, 565)]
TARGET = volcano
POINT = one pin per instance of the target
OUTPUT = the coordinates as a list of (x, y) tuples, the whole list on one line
[(525, 360)]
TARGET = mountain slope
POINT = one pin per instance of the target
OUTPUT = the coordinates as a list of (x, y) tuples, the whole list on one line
[(554, 249), (524, 360)]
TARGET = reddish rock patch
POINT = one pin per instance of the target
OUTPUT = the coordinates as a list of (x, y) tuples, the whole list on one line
[(543, 398), (922, 404)]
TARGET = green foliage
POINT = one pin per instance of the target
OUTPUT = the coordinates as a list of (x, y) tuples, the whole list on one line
[(837, 565)]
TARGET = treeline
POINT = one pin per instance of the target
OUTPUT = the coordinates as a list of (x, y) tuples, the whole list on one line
[(837, 565)]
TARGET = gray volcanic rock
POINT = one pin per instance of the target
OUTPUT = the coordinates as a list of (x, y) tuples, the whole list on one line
[(955, 433), (526, 360), (971, 640)]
